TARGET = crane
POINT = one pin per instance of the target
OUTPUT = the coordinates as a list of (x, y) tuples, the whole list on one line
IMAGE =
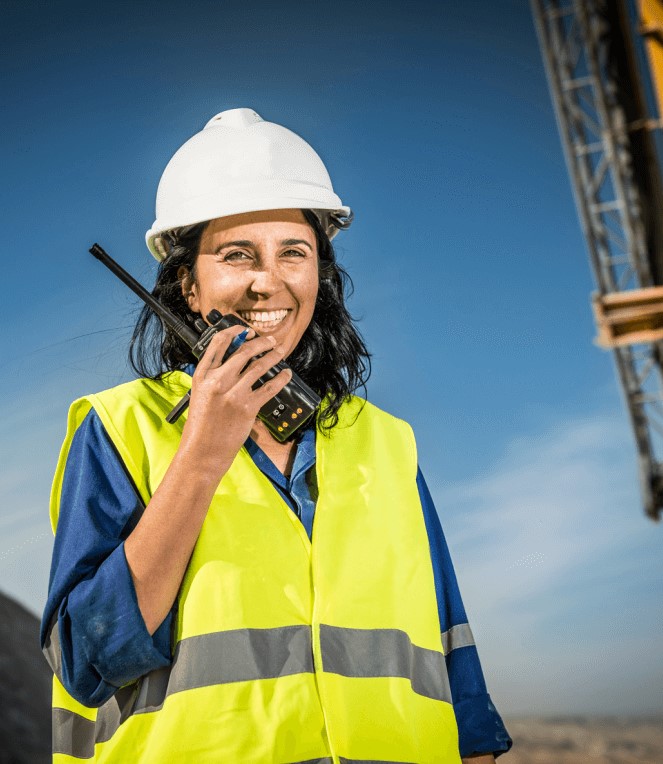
[(600, 88)]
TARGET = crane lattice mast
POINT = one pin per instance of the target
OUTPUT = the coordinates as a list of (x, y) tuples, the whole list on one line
[(592, 70)]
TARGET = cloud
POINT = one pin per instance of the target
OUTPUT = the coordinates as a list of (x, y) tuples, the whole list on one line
[(556, 563)]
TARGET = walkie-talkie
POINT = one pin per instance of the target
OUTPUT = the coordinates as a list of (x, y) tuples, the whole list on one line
[(283, 415)]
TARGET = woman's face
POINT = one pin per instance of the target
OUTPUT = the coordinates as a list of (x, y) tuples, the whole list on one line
[(263, 266)]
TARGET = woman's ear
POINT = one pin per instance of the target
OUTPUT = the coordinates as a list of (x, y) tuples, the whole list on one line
[(189, 291)]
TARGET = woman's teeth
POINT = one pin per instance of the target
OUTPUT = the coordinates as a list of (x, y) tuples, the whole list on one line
[(263, 319)]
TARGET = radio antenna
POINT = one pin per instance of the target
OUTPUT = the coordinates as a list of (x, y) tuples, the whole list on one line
[(183, 331)]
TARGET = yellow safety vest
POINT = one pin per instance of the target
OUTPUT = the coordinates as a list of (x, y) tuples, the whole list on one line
[(285, 650)]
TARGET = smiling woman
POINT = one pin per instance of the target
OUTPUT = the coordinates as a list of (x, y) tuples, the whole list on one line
[(217, 595)]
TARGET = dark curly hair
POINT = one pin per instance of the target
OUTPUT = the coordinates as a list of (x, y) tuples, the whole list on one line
[(331, 356)]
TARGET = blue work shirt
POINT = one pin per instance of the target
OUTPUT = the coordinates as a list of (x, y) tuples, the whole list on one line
[(103, 639)]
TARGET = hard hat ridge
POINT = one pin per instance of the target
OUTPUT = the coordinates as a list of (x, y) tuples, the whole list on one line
[(240, 163), (234, 118)]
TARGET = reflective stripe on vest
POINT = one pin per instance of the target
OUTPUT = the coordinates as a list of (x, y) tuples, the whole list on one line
[(457, 636), (286, 650)]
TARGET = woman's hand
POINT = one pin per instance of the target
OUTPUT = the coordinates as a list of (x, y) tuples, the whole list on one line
[(223, 404)]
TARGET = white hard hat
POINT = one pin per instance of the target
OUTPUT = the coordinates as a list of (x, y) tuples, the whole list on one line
[(240, 163)]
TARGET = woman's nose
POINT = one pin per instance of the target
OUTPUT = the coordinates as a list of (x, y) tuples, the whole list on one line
[(265, 280)]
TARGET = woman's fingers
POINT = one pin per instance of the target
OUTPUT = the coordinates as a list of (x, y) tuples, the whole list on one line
[(260, 366), (217, 348), (272, 387), (243, 368), (243, 357)]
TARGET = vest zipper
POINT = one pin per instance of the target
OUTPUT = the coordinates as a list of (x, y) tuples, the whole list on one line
[(317, 665), (315, 621)]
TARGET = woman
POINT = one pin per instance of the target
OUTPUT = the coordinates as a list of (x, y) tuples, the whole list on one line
[(196, 611)]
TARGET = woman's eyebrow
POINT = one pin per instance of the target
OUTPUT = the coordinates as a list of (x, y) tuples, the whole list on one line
[(238, 243), (290, 242), (248, 243)]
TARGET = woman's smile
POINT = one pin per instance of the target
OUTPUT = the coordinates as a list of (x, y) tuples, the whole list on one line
[(262, 320)]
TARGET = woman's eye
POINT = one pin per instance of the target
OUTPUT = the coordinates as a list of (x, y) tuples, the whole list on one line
[(236, 255), (295, 252)]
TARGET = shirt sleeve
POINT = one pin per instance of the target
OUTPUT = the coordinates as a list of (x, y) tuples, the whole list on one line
[(92, 630), (480, 727)]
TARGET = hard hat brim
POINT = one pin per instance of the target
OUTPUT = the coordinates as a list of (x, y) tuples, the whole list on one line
[(153, 236)]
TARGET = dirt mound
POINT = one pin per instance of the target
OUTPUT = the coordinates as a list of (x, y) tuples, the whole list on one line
[(25, 688)]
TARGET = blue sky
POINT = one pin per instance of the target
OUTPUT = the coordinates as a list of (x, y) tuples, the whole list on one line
[(471, 277)]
